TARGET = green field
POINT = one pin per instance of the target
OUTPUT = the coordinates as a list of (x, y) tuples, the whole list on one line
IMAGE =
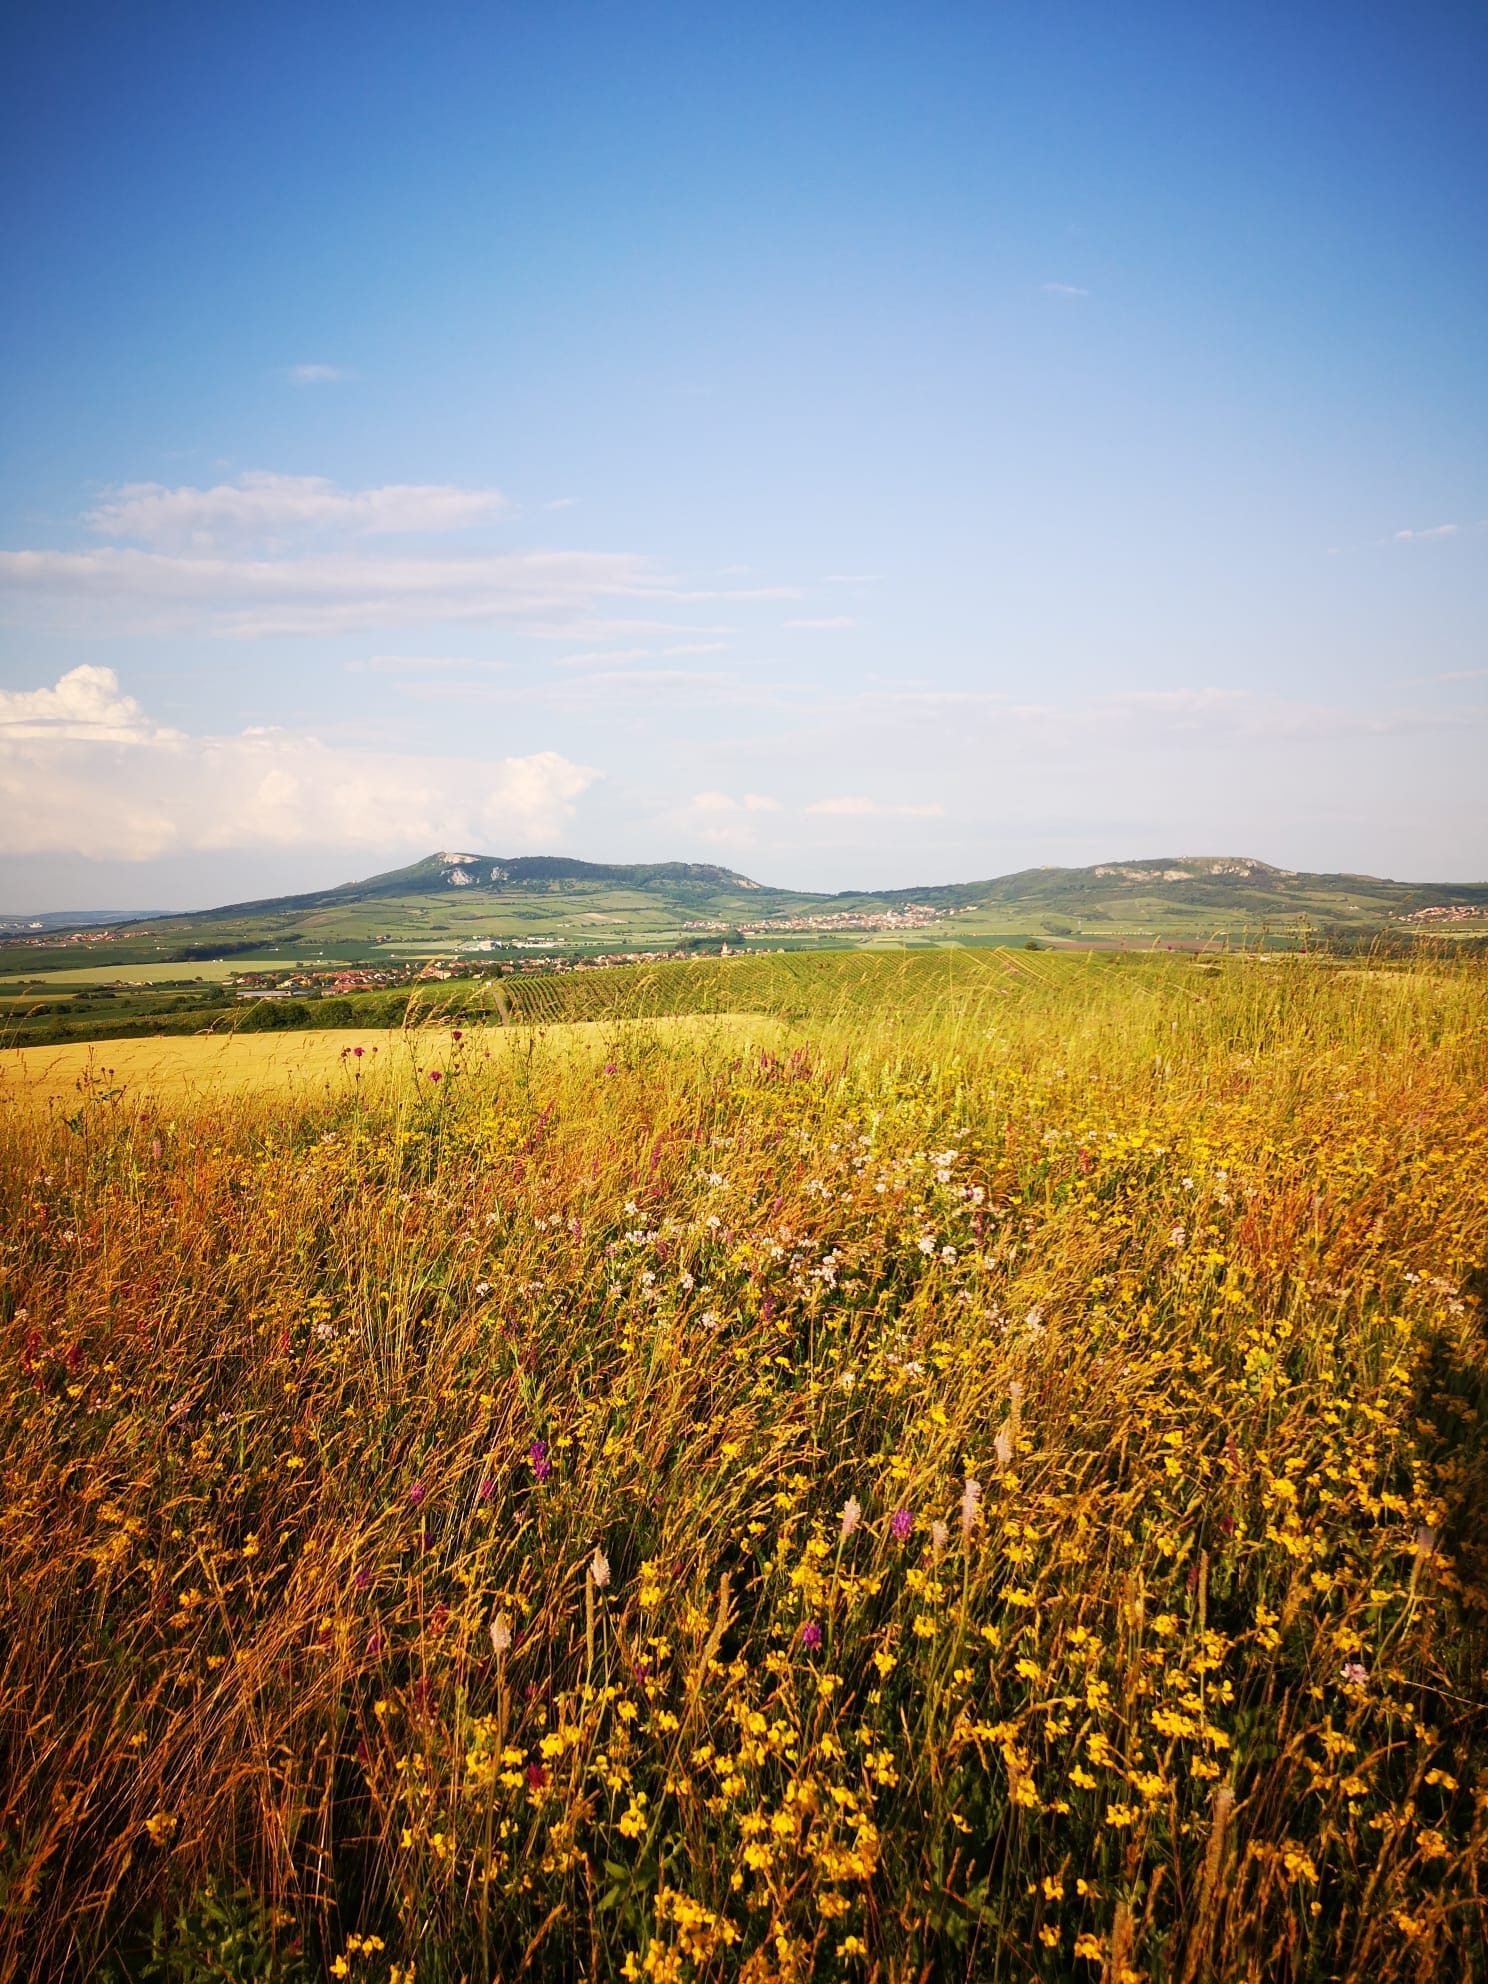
[(582, 908), (974, 1471)]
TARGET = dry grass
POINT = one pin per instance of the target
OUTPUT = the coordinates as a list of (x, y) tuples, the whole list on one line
[(200, 1069), (1030, 1431)]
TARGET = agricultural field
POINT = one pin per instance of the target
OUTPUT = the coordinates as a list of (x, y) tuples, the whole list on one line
[(863, 1467), (453, 904)]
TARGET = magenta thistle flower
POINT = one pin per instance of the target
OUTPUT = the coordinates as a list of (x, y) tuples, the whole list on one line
[(487, 1489), (417, 1493), (811, 1635), (900, 1524), (435, 1075), (457, 1035), (358, 1052)]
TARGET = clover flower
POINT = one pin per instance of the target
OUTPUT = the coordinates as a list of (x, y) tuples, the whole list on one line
[(599, 1569), (811, 1635), (852, 1515), (971, 1505), (900, 1524)]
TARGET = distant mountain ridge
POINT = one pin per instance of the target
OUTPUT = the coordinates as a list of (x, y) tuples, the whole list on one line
[(1178, 896), (438, 874)]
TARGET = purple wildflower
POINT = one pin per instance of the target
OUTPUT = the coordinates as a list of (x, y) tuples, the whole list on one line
[(417, 1493), (487, 1489), (900, 1524), (811, 1635), (435, 1075), (542, 1467)]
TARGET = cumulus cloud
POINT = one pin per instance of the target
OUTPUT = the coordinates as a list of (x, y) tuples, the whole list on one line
[(261, 505), (83, 770), (86, 706)]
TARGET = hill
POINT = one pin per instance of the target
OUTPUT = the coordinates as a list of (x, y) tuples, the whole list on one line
[(454, 902)]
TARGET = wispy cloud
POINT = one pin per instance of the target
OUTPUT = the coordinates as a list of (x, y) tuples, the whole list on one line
[(84, 770), (261, 506), (851, 806), (418, 664), (1062, 289), (835, 623), (724, 802), (613, 658), (545, 591), (1417, 536), (316, 375), (560, 502), (282, 554)]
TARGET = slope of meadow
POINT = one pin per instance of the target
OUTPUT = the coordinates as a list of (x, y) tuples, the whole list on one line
[(990, 1482)]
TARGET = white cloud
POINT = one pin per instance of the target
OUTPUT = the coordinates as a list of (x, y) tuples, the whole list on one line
[(261, 505), (1418, 536), (416, 664), (835, 623), (336, 593), (724, 802), (560, 503), (852, 806), (1062, 289), (83, 770), (316, 375), (86, 706), (603, 657)]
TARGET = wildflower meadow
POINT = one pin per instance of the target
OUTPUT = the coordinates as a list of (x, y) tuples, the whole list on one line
[(972, 1465)]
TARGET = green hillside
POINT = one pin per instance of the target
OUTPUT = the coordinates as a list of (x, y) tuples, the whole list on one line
[(522, 908)]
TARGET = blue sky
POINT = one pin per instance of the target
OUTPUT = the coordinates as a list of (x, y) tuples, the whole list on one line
[(859, 445)]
